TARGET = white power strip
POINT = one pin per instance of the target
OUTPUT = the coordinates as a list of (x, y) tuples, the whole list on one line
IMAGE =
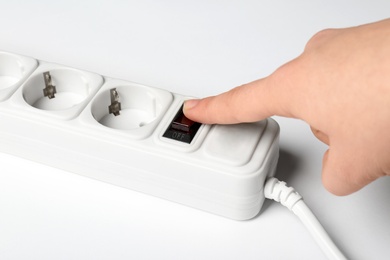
[(132, 136)]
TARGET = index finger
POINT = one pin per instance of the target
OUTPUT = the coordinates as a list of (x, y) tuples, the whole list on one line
[(257, 100)]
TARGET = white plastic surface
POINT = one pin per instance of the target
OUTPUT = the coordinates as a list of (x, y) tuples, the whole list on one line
[(14, 69), (234, 144), (128, 150)]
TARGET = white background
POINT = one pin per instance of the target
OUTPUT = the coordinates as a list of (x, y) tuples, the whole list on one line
[(196, 48)]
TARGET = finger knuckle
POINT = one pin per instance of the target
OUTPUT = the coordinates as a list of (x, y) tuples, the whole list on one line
[(319, 37)]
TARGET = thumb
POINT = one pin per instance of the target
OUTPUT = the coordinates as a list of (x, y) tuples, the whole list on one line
[(248, 103), (344, 173)]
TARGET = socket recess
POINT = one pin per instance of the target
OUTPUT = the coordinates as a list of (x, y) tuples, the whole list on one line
[(130, 107), (14, 69), (73, 90)]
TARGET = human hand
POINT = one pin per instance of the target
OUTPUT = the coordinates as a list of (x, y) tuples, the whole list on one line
[(340, 86)]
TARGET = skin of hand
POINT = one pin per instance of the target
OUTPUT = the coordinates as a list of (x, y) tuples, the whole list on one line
[(340, 86)]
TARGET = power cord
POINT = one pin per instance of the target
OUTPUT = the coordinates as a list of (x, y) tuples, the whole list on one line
[(278, 191)]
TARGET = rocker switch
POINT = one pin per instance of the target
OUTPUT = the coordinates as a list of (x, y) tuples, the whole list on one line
[(182, 129)]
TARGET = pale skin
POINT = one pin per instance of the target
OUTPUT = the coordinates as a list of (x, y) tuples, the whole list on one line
[(340, 86)]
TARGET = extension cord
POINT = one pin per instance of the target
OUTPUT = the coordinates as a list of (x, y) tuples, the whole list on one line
[(137, 137), (133, 136)]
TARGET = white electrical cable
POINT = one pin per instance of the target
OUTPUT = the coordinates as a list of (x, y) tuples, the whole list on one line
[(288, 197)]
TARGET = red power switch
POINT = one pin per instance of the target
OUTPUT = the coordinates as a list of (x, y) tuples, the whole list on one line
[(182, 129)]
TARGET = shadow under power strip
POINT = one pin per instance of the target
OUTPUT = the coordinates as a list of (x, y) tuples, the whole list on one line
[(133, 136)]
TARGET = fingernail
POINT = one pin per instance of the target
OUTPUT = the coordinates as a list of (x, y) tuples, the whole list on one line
[(189, 104)]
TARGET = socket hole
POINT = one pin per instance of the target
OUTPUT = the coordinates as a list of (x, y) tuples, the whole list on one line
[(140, 107), (72, 89), (11, 71)]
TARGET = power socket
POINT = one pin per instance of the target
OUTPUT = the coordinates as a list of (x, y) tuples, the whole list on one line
[(133, 136)]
